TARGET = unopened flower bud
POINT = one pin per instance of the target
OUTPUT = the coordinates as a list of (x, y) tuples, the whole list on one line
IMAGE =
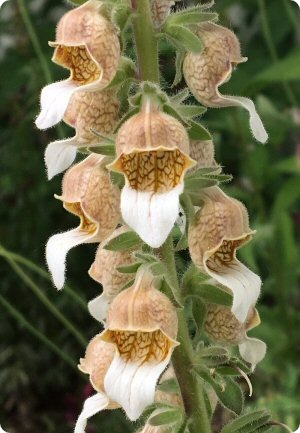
[(153, 154), (104, 270), (203, 152), (205, 72), (88, 193), (219, 228), (87, 112), (96, 362), (87, 44), (223, 326), (142, 324), (160, 10)]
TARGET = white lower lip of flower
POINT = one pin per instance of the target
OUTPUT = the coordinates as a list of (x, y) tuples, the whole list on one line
[(54, 101), (59, 155), (244, 284), (256, 125), (132, 384), (58, 247), (92, 405), (1, 3), (98, 307), (151, 215), (252, 350)]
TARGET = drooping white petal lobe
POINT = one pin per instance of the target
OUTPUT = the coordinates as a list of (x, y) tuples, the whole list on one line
[(132, 384), (244, 284), (253, 350), (256, 125), (59, 155), (92, 405), (298, 3), (1, 3), (151, 215), (57, 249), (54, 101), (98, 307)]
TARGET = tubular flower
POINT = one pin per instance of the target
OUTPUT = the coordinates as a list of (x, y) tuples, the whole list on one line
[(203, 152), (142, 324), (88, 193), (223, 326), (1, 3), (160, 10), (104, 271), (152, 153), (96, 110), (96, 362), (219, 228), (205, 72), (86, 44)]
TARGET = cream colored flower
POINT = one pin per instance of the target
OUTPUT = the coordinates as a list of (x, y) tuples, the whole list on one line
[(203, 152), (219, 228), (142, 324), (104, 271), (152, 153), (223, 326), (160, 10), (96, 362), (205, 72), (87, 44), (88, 193), (96, 110)]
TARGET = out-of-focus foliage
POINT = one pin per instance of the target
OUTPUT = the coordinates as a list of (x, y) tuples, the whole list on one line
[(39, 390)]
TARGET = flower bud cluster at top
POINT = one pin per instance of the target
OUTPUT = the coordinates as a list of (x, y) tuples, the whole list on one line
[(142, 155)]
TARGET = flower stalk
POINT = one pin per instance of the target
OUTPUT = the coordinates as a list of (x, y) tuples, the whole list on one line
[(191, 390)]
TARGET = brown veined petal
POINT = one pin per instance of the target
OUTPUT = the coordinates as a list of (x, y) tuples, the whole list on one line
[(96, 362), (89, 194), (160, 10), (104, 271), (223, 326), (87, 111), (87, 44), (142, 323), (203, 152), (219, 228), (205, 72), (153, 154)]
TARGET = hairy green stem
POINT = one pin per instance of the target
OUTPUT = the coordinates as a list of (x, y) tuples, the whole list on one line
[(22, 321), (47, 303), (40, 271), (191, 389), (273, 53), (146, 43)]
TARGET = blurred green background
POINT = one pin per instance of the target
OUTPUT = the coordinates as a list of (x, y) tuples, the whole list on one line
[(41, 389)]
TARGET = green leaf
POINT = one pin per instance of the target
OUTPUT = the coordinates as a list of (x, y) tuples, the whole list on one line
[(244, 421), (123, 242), (198, 132), (105, 149), (287, 69), (192, 278), (191, 16), (170, 385), (184, 38), (214, 294), (180, 55), (191, 111), (167, 417), (126, 71), (120, 16), (129, 269), (212, 356), (146, 257), (180, 97), (196, 184), (228, 392), (198, 310)]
